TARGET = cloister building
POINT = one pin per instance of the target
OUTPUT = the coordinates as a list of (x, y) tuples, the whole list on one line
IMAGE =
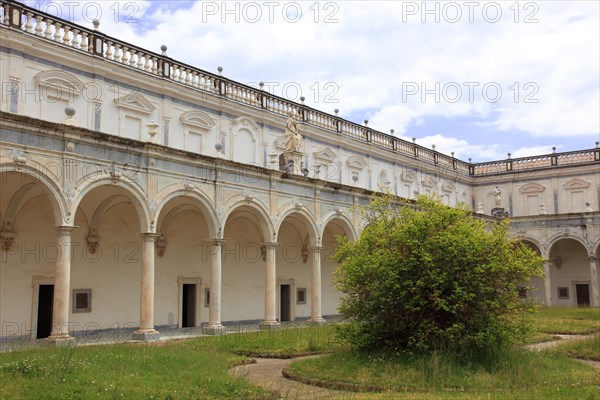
[(140, 192)]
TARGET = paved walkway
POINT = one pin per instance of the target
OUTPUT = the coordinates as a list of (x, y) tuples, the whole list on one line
[(267, 373)]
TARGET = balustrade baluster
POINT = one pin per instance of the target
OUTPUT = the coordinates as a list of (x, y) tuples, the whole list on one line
[(109, 50), (57, 34), (66, 37), (75, 42), (125, 55), (28, 24), (38, 26), (84, 41), (154, 65)]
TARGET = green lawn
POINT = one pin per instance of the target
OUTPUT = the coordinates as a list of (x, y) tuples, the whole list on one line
[(588, 349), (567, 320), (197, 368)]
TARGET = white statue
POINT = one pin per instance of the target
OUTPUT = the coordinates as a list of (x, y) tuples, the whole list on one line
[(497, 196), (293, 138)]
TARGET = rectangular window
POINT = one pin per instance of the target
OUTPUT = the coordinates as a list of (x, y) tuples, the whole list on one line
[(206, 297), (563, 292), (301, 296), (82, 300)]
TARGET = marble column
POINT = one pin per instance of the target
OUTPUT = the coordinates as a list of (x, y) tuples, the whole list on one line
[(315, 292), (270, 256), (214, 314), (146, 329), (62, 286), (594, 283), (547, 285)]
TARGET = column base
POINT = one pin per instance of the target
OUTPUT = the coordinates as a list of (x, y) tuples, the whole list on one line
[(269, 326), (146, 335), (214, 330), (316, 321), (63, 339)]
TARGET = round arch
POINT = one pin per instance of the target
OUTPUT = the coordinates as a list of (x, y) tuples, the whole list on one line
[(302, 214), (198, 200), (561, 236), (59, 205), (256, 209), (139, 202), (341, 220)]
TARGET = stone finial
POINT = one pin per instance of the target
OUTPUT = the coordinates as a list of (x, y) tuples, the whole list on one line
[(163, 49), (337, 111), (508, 155), (588, 206), (152, 130), (366, 122), (597, 144), (261, 85), (220, 70), (302, 98), (392, 132), (96, 23), (414, 139), (553, 149), (433, 146), (70, 120), (452, 154)]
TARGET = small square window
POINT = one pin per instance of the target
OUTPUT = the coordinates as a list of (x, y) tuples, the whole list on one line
[(82, 300), (563, 292), (301, 296), (206, 297)]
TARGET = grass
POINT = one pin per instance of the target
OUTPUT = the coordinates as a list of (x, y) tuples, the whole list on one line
[(197, 368), (191, 369), (505, 374), (567, 320), (588, 349)]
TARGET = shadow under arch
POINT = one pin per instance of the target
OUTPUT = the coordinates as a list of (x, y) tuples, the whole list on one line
[(60, 212)]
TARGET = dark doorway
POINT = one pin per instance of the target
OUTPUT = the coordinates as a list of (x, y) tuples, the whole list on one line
[(44, 316), (188, 311), (583, 295), (285, 303)]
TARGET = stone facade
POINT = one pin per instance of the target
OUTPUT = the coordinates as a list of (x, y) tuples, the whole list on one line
[(162, 183)]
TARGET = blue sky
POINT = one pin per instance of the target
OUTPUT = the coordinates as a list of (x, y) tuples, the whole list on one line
[(480, 78)]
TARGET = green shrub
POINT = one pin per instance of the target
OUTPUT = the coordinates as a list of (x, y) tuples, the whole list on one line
[(428, 277)]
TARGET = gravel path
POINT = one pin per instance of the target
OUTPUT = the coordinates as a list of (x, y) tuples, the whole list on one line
[(267, 373), (554, 343)]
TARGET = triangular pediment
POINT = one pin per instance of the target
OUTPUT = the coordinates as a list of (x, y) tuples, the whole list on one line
[(356, 162), (576, 183), (135, 102), (532, 188), (197, 119), (325, 155), (429, 182), (62, 84)]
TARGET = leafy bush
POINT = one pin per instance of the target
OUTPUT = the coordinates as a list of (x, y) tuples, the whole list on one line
[(430, 277)]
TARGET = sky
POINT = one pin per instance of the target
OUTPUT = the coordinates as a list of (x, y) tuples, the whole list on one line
[(478, 78)]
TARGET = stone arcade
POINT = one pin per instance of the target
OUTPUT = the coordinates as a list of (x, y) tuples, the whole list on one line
[(139, 192)]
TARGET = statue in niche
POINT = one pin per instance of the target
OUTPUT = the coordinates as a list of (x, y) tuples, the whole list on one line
[(293, 138), (497, 196)]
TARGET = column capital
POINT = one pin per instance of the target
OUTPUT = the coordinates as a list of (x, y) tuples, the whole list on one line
[(149, 236), (65, 230), (593, 258), (216, 241), (316, 248), (270, 244)]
